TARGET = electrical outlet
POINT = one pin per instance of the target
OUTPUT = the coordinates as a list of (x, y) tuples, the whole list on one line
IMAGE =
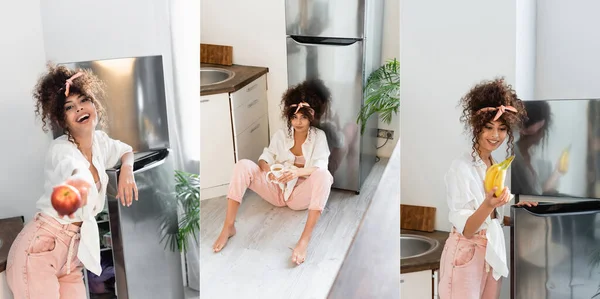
[(385, 134)]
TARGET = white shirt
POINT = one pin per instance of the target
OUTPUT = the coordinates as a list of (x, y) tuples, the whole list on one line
[(62, 159), (314, 149), (465, 193)]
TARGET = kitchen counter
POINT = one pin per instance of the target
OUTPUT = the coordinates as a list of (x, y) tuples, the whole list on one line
[(243, 76), (370, 269), (430, 261), (9, 229)]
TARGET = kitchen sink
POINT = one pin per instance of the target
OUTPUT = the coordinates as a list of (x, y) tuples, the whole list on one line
[(212, 75), (412, 246)]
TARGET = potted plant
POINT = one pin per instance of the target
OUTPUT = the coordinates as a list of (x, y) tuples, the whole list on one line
[(187, 194), (382, 94)]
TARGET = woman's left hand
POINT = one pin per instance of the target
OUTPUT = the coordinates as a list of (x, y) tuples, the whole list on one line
[(288, 175), (127, 187), (527, 203)]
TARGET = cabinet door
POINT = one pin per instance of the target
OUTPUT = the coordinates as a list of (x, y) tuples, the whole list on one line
[(416, 284), (216, 141), (251, 143), (249, 104)]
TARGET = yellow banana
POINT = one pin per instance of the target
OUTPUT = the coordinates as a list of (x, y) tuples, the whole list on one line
[(563, 162), (496, 175)]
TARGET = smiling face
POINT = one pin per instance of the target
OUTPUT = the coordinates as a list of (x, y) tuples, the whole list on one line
[(492, 136), (300, 122), (80, 114)]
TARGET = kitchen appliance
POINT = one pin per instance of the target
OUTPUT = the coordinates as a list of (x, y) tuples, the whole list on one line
[(556, 246), (339, 42), (136, 104)]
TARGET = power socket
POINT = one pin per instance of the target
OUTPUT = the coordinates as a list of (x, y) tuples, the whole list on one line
[(385, 134)]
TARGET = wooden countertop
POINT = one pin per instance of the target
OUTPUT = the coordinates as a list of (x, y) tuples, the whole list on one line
[(9, 229), (372, 264), (243, 76), (430, 261)]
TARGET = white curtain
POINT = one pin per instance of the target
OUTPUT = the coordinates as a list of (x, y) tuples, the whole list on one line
[(185, 43)]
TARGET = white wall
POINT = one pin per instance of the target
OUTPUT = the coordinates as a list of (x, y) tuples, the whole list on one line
[(239, 23), (23, 141), (526, 49), (567, 49)]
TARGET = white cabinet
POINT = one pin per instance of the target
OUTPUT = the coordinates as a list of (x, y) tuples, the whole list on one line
[(416, 284), (234, 126), (5, 292)]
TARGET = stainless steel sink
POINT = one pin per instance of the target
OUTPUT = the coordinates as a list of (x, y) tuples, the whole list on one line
[(412, 246), (211, 76)]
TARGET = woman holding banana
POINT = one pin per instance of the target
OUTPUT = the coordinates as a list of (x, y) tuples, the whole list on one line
[(474, 259)]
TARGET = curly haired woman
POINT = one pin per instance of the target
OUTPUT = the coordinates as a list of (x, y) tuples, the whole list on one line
[(306, 182), (474, 259), (47, 257)]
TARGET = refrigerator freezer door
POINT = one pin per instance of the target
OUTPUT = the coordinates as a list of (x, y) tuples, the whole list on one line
[(338, 63), (327, 18), (135, 100), (556, 251), (144, 266)]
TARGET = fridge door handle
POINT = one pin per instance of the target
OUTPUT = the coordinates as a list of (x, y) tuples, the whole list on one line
[(563, 209), (150, 166), (323, 41)]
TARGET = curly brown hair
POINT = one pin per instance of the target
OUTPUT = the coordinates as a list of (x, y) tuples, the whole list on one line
[(314, 93), (49, 93), (491, 93)]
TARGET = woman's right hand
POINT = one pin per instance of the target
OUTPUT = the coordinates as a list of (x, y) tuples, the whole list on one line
[(82, 186), (495, 202)]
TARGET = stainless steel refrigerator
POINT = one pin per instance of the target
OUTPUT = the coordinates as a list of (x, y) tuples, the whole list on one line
[(136, 104), (339, 42), (556, 246)]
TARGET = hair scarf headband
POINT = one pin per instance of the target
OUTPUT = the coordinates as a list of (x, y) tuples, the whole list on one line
[(501, 109), (69, 82), (303, 104)]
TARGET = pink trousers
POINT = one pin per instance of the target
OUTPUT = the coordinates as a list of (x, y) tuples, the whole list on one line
[(464, 273), (38, 265), (311, 193)]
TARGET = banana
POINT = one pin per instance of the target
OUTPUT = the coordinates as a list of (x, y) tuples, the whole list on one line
[(496, 175), (563, 162)]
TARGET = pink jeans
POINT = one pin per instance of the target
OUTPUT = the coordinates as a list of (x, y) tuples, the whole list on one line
[(39, 265), (464, 273), (311, 193)]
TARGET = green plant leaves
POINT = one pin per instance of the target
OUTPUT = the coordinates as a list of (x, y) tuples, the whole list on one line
[(187, 193), (382, 94)]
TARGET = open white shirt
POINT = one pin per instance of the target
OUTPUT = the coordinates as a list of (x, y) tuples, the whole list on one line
[(315, 150), (465, 193), (62, 159)]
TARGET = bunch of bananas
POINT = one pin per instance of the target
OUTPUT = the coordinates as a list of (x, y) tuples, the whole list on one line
[(496, 175)]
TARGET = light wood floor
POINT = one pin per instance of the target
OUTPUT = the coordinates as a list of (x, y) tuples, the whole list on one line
[(256, 263)]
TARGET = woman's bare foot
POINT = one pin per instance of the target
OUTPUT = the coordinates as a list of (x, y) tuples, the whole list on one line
[(226, 233), (299, 252)]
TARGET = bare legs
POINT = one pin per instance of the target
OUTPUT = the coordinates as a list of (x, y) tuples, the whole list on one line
[(228, 230), (299, 253)]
